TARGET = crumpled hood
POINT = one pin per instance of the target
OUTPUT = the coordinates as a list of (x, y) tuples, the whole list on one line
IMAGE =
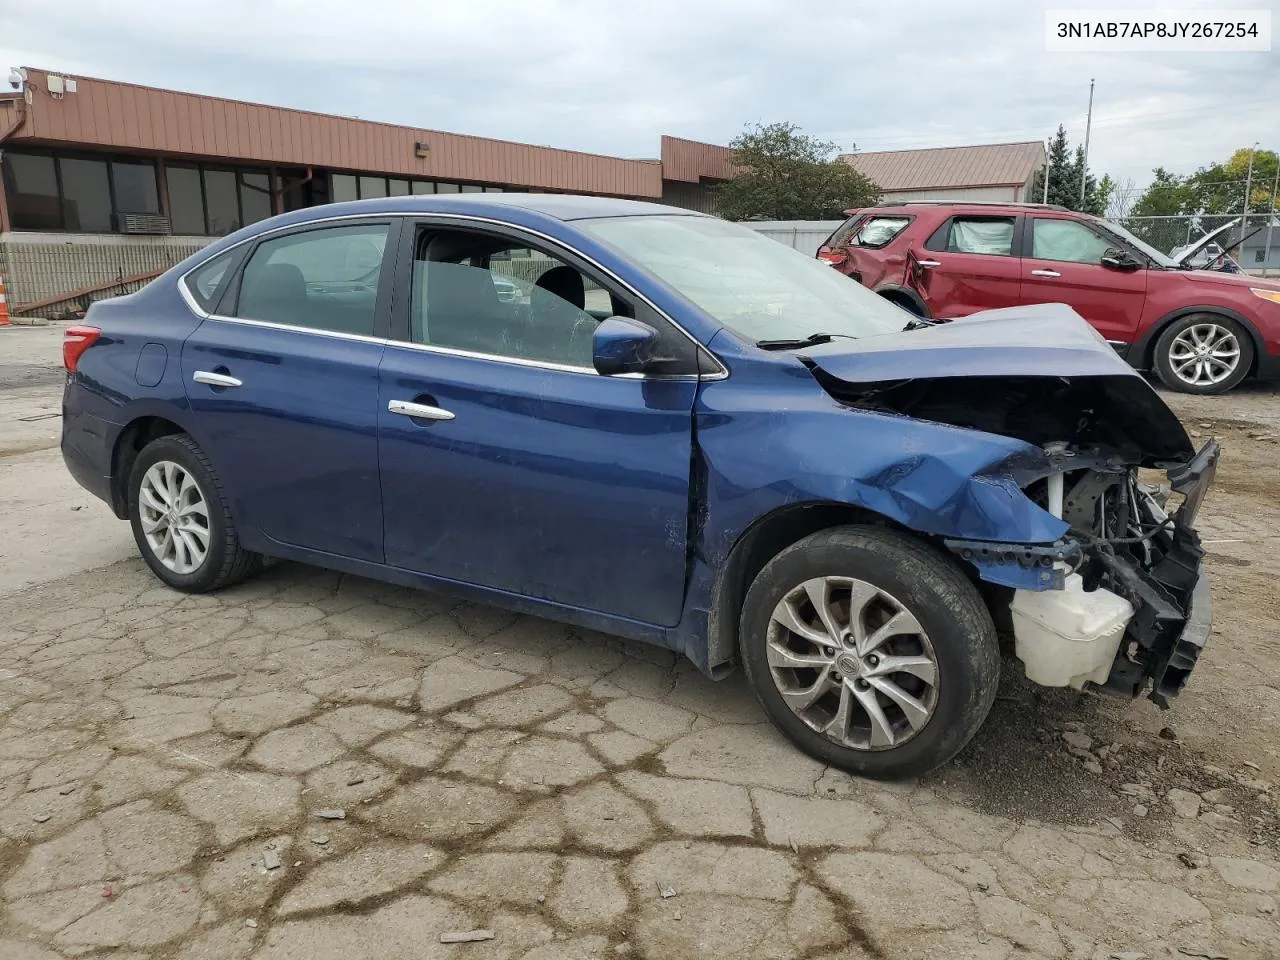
[(1044, 340), (1030, 372)]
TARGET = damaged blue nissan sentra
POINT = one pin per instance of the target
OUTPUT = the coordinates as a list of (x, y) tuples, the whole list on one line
[(675, 430)]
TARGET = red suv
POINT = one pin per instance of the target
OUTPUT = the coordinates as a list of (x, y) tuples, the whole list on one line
[(1202, 331)]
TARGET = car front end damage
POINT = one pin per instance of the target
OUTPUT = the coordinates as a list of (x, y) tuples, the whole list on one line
[(1119, 601)]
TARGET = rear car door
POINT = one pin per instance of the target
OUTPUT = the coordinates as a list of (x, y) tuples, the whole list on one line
[(507, 461), (968, 264), (1063, 264), (283, 384), (865, 249)]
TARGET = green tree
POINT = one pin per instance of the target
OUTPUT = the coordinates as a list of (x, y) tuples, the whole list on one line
[(1064, 169), (783, 174), (1216, 189), (1167, 196)]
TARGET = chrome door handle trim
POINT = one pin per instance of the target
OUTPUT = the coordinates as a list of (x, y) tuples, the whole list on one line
[(215, 379), (420, 410), (1045, 273), (929, 263)]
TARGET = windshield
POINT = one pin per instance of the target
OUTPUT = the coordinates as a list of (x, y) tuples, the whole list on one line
[(1161, 259), (757, 287)]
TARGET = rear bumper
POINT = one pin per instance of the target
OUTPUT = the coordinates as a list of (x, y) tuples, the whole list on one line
[(87, 444)]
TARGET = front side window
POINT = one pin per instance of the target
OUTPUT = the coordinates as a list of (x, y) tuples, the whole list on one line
[(483, 294), (322, 279), (755, 286), (1066, 240), (987, 235)]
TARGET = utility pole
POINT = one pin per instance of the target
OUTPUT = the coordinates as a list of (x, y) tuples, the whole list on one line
[(1271, 214), (1088, 126), (1046, 174), (1248, 186)]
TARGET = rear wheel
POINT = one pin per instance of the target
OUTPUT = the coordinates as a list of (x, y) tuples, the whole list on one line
[(1203, 353), (870, 651), (181, 521)]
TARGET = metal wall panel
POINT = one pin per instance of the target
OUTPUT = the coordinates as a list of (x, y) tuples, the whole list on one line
[(126, 116)]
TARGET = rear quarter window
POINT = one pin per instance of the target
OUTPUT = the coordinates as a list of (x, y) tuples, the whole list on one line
[(206, 282), (877, 231)]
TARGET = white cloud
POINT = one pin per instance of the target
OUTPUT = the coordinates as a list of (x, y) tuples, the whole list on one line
[(611, 77)]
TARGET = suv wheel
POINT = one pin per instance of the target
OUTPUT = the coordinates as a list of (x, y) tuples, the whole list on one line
[(870, 651), (1203, 353), (181, 521)]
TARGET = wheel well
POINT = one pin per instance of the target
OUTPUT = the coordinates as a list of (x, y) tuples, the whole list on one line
[(1148, 359), (133, 438), (902, 300), (762, 542)]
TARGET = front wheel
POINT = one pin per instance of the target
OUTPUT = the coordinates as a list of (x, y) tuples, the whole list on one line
[(1203, 353), (181, 521), (870, 651)]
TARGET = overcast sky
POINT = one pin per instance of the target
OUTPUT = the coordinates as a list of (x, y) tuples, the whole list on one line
[(611, 77)]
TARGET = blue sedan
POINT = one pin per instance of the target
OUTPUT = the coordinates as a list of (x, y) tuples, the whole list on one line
[(679, 432)]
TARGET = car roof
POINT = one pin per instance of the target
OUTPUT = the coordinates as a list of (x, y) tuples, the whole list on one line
[(560, 206), (981, 206)]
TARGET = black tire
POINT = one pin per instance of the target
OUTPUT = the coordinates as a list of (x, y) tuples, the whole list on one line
[(225, 562), (1164, 365), (944, 602)]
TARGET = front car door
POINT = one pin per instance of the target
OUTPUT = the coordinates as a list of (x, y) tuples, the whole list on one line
[(283, 385), (507, 462), (968, 264), (1063, 264)]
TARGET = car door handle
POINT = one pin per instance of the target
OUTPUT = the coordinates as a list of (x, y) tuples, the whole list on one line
[(1045, 273), (215, 379), (419, 410), (929, 263)]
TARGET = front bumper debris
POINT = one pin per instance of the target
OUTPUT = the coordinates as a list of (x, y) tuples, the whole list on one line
[(1174, 614)]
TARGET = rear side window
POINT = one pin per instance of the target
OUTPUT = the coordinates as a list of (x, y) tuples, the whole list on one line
[(878, 231), (986, 235), (207, 281), (322, 279)]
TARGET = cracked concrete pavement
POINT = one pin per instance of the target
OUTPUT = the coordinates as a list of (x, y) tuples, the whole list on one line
[(165, 760)]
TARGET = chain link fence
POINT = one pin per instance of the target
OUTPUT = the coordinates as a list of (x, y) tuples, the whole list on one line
[(1168, 234)]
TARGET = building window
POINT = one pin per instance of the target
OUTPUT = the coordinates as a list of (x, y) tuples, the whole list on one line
[(343, 187), (255, 196), (186, 200), (472, 188), (221, 202), (397, 188), (372, 187), (447, 188), (86, 195), (420, 187), (135, 187)]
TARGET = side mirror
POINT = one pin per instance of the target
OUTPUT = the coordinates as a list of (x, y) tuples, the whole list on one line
[(1113, 258), (622, 345)]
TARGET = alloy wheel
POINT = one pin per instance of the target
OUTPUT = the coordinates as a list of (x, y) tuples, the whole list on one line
[(1204, 354), (853, 663), (174, 516)]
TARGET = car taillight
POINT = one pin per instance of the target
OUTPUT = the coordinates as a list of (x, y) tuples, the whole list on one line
[(832, 257), (75, 341)]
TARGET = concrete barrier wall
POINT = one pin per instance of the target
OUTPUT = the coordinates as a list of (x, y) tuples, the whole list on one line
[(37, 266)]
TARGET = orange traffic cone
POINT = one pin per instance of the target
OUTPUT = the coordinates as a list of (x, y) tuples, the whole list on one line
[(4, 306)]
